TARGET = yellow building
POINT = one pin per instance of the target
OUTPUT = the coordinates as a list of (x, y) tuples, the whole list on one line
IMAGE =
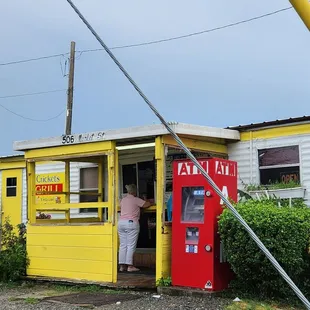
[(79, 181)]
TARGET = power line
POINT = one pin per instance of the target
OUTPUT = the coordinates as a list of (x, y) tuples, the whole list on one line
[(155, 41), (32, 119), (193, 33), (31, 59), (33, 94)]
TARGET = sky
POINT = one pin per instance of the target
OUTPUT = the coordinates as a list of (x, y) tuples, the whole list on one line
[(253, 72)]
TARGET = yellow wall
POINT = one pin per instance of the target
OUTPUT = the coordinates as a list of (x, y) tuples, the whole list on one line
[(276, 132), (79, 252), (12, 206)]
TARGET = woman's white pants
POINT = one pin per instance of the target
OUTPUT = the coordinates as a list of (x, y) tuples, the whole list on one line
[(128, 232)]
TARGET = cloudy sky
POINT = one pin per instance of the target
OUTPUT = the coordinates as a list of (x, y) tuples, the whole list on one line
[(248, 73)]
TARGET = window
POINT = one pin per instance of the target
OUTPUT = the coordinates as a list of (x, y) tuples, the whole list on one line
[(11, 185), (89, 183), (279, 164), (142, 174)]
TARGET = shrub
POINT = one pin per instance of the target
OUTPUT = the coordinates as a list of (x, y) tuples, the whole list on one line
[(13, 255), (285, 233)]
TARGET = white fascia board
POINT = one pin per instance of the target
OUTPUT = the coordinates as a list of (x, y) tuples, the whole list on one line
[(126, 133)]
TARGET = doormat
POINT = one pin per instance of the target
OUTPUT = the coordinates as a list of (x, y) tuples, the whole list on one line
[(92, 299)]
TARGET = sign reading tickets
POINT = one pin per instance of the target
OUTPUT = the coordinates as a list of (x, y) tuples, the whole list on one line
[(50, 182)]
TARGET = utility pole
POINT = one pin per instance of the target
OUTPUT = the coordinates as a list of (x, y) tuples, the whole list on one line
[(70, 90)]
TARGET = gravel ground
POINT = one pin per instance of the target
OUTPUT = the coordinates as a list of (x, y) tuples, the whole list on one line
[(9, 301)]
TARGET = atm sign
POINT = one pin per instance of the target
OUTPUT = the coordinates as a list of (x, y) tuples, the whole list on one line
[(188, 168)]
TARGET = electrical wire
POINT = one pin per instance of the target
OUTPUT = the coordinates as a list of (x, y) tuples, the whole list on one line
[(32, 119), (155, 41), (33, 94), (193, 33), (31, 59), (196, 163)]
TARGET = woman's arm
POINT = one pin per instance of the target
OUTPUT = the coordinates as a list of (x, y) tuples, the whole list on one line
[(146, 204)]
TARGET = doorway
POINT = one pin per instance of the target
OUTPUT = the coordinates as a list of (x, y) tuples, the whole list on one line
[(12, 188)]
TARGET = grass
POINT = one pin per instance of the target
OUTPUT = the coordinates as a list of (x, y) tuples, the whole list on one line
[(31, 300), (83, 288), (254, 305)]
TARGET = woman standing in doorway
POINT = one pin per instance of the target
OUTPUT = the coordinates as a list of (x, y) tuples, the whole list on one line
[(129, 227)]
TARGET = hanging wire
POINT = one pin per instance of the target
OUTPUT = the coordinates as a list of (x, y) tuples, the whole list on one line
[(184, 36), (196, 163)]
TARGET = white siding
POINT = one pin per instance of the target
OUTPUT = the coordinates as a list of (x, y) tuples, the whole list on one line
[(248, 171)]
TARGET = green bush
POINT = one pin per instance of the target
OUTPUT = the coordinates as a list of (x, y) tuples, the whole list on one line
[(13, 254), (285, 233)]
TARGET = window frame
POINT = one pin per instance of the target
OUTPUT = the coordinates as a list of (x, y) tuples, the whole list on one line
[(10, 187), (299, 164)]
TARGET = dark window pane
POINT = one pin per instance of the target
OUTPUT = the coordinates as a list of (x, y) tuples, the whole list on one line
[(279, 156), (146, 175), (11, 192), (129, 175), (11, 182), (87, 210), (281, 175)]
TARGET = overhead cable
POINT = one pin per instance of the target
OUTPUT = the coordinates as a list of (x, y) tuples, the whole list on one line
[(154, 41)]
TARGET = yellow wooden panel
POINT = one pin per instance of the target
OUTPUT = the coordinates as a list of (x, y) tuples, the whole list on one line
[(198, 145), (71, 265), (47, 207), (82, 276), (93, 241), (72, 220), (69, 252), (64, 230), (12, 165), (269, 133), (77, 149)]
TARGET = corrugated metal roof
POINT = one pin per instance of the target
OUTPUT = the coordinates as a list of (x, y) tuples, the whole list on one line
[(11, 156), (278, 122)]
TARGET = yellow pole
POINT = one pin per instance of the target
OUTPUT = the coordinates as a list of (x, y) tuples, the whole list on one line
[(302, 7), (100, 187), (114, 227), (31, 183), (160, 168), (67, 187)]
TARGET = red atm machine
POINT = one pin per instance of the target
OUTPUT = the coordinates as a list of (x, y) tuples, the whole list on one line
[(198, 258)]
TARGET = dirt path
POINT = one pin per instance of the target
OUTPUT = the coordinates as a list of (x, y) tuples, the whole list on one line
[(32, 298)]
